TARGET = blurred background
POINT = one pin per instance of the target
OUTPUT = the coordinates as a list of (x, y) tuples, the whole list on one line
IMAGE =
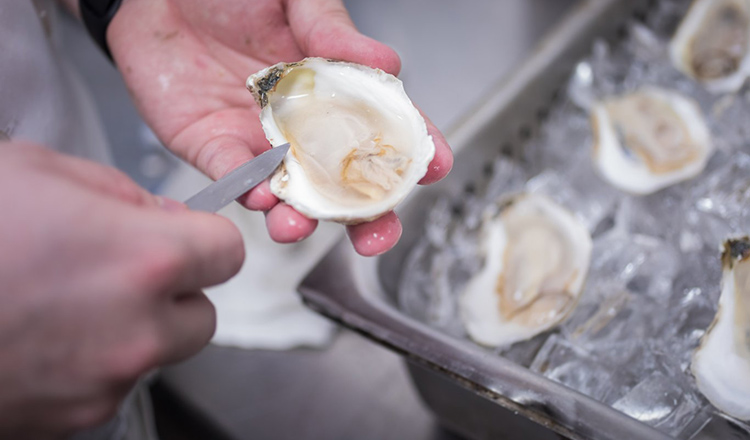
[(453, 54)]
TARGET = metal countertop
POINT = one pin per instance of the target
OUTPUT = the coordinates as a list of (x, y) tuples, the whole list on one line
[(352, 389)]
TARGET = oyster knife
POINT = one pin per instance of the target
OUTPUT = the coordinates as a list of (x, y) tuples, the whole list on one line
[(239, 181)]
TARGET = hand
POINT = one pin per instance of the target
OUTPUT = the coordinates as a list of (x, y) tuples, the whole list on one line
[(186, 61), (99, 282)]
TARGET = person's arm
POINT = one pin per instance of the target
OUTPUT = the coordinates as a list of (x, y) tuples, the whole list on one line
[(100, 282), (185, 63)]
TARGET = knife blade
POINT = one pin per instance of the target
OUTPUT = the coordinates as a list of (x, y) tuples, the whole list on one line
[(239, 181)]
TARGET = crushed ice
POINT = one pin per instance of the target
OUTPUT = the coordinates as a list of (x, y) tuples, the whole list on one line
[(654, 280)]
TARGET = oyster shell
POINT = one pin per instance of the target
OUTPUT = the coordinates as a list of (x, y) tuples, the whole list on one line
[(712, 44), (649, 139), (721, 364), (358, 144), (536, 257)]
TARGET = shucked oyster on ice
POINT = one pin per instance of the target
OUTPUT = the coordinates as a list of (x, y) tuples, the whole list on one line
[(649, 139), (721, 364), (358, 144), (712, 44), (536, 257)]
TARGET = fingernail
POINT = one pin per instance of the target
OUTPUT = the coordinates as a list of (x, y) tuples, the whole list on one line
[(170, 204)]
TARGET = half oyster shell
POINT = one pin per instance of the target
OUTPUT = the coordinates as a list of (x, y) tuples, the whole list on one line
[(721, 364), (358, 144), (536, 257), (712, 44), (649, 139)]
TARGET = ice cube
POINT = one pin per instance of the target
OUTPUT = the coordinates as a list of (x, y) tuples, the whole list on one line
[(642, 264), (579, 191), (575, 368), (725, 194), (661, 401)]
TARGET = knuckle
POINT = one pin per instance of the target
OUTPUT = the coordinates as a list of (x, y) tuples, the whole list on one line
[(126, 364), (203, 327), (232, 247), (161, 268), (125, 189), (216, 156), (194, 330)]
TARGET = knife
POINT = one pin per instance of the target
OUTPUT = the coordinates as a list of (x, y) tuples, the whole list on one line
[(239, 181)]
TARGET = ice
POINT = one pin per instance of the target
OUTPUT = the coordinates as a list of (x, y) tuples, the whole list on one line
[(567, 128), (575, 368), (441, 217), (688, 323), (598, 305), (416, 292), (569, 189), (431, 283), (620, 317), (580, 87), (660, 401), (642, 264), (654, 280), (506, 177), (524, 353), (725, 194), (666, 16), (651, 390), (728, 115), (648, 215)]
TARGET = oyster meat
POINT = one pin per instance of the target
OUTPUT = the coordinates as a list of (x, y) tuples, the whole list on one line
[(536, 257), (358, 144), (712, 44), (721, 364), (649, 139)]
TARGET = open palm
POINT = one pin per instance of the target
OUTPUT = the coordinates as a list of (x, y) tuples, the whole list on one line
[(185, 63)]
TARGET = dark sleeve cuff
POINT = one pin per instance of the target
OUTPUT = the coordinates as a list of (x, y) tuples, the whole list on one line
[(96, 15)]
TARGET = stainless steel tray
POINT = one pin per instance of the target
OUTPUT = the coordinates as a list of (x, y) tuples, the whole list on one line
[(475, 393)]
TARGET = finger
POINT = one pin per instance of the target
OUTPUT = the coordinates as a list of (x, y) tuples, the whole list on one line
[(101, 178), (285, 225), (221, 141), (323, 28), (259, 198), (218, 155), (171, 204), (200, 250), (188, 322), (375, 237), (442, 163)]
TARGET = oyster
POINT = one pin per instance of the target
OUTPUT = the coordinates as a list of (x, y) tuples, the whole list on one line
[(536, 256), (649, 139), (721, 364), (358, 144), (712, 44)]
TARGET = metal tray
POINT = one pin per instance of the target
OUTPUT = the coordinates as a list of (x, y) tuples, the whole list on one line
[(475, 393)]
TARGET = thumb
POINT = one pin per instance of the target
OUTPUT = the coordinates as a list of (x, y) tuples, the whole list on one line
[(324, 29)]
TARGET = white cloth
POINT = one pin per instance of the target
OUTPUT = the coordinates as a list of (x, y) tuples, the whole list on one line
[(259, 307), (41, 98)]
